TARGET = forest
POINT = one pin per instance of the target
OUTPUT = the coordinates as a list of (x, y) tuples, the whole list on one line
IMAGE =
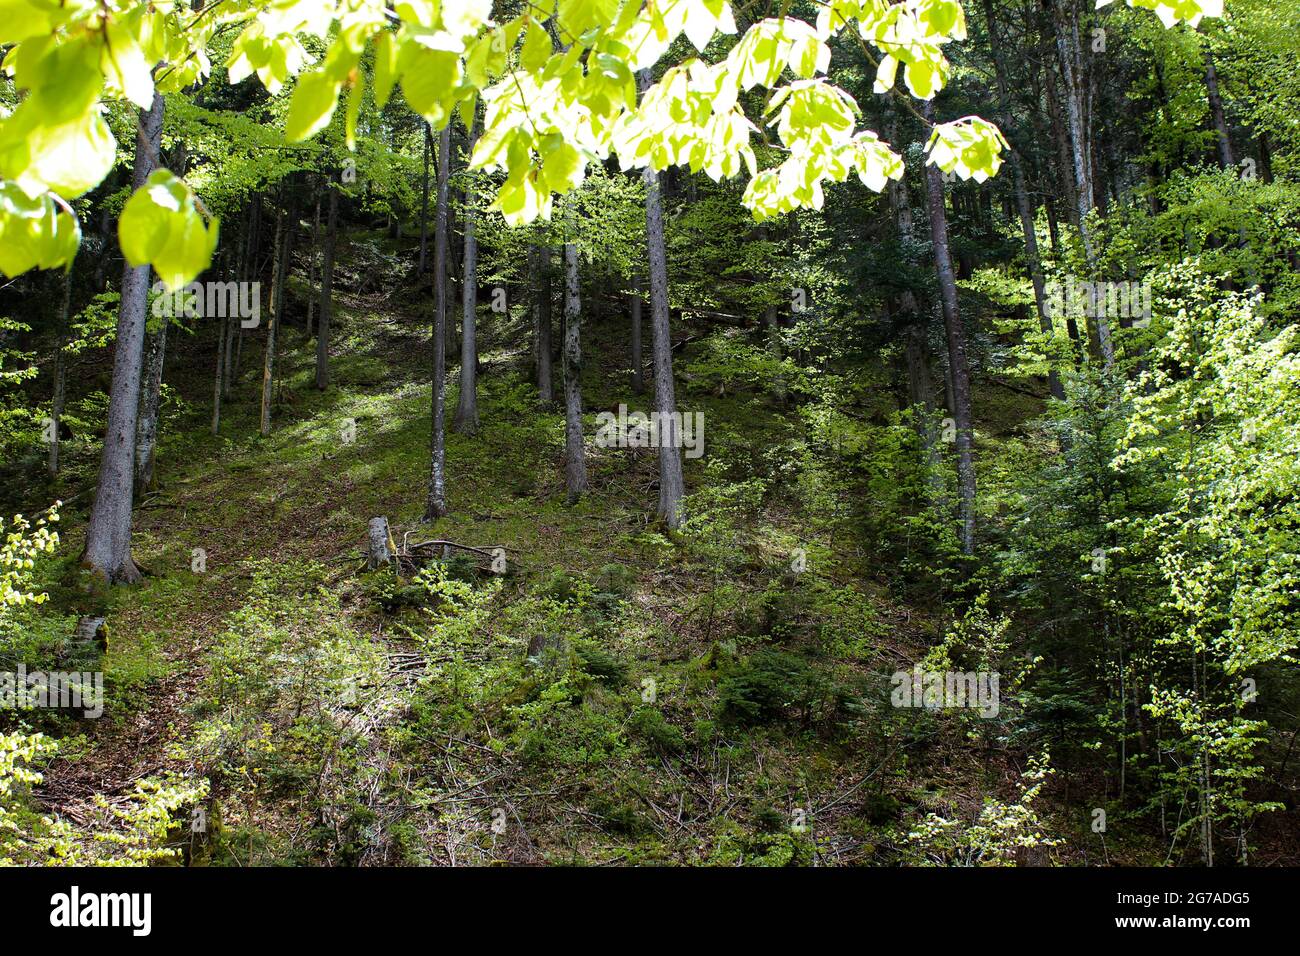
[(711, 433)]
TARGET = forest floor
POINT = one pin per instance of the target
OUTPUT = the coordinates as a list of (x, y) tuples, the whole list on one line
[(694, 701)]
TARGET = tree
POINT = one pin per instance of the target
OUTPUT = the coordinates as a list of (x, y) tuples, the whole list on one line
[(1024, 208), (542, 319), (958, 369), (146, 439), (278, 269), (466, 419), (327, 291), (436, 497), (60, 375), (575, 460), (672, 487), (638, 360), (108, 533)]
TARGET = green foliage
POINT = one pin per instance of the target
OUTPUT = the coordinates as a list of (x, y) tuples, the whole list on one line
[(777, 685), (1001, 834)]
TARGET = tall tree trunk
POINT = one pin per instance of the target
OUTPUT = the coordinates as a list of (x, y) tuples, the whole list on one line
[(60, 374), (575, 460), (424, 201), (466, 420), (1034, 261), (436, 499), (1077, 102), (312, 267), (218, 378), (108, 533), (638, 360), (1024, 207), (1265, 158), (277, 284), (146, 434), (772, 331), (545, 349), (672, 487), (1226, 158), (959, 372), (228, 363), (1063, 164), (327, 293), (916, 338)]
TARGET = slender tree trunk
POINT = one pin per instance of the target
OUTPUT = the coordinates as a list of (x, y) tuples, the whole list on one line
[(638, 360), (424, 201), (1035, 264), (1265, 158), (327, 293), (672, 486), (916, 337), (60, 374), (108, 533), (228, 367), (545, 386), (1070, 54), (1226, 158), (575, 461), (218, 377), (1064, 160), (146, 435), (958, 370), (436, 499), (277, 284), (466, 420), (312, 266), (1023, 205)]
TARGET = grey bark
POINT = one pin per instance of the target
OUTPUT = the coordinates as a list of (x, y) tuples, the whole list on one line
[(327, 293), (466, 419), (638, 360), (1023, 205), (146, 435), (1078, 114), (436, 498), (380, 552), (959, 373), (268, 356), (313, 266), (545, 378), (575, 461), (60, 375), (108, 533), (424, 202), (916, 338), (672, 486), (228, 361), (218, 377), (1226, 157)]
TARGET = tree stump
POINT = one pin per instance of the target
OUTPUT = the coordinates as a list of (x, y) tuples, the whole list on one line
[(382, 547), (89, 638)]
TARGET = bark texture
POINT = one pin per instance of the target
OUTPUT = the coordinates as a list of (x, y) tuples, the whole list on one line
[(108, 533)]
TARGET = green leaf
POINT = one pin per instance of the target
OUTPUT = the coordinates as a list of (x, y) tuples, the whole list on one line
[(385, 68), (431, 84), (22, 19), (69, 158), (312, 106), (355, 95), (34, 232), (537, 48), (161, 225)]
